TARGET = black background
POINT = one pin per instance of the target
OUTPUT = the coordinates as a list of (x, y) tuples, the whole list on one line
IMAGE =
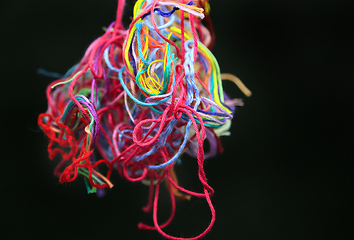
[(286, 172)]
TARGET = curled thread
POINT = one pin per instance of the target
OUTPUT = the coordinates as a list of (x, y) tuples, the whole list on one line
[(142, 97)]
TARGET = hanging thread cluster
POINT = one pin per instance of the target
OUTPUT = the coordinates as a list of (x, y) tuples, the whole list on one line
[(142, 97)]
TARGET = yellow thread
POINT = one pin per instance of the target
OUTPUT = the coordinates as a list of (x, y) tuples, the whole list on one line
[(207, 8), (158, 82), (126, 53), (136, 8), (238, 82)]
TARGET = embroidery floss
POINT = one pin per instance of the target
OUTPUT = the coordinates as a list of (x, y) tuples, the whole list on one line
[(142, 97)]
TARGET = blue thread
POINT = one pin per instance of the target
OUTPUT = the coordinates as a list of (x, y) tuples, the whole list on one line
[(46, 73)]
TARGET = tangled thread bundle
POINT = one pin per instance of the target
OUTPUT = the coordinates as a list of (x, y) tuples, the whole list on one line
[(142, 97)]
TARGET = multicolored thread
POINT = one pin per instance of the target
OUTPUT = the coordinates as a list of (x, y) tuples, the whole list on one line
[(142, 97)]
